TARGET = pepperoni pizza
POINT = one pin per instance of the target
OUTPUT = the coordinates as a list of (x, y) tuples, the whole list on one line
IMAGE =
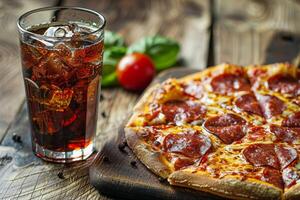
[(228, 130)]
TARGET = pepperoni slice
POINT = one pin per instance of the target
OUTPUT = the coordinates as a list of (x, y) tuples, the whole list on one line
[(228, 127), (189, 145), (228, 134), (262, 155), (256, 73), (284, 84), (272, 176), (275, 156), (227, 83), (182, 162), (292, 121), (271, 105), (286, 134), (248, 103), (286, 155), (182, 111), (290, 177)]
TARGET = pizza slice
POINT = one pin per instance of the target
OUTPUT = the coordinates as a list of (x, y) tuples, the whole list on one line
[(280, 78), (288, 131), (227, 88), (166, 148), (291, 178), (243, 171), (167, 104)]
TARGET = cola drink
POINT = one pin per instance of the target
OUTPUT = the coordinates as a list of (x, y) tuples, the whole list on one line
[(62, 83)]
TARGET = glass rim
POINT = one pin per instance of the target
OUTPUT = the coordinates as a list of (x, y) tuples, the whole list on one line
[(26, 14)]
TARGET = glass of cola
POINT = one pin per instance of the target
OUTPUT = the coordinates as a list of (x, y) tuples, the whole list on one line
[(61, 54)]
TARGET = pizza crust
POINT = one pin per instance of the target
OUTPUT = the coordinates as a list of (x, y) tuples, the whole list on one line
[(139, 107), (232, 188), (151, 159), (227, 187), (292, 193), (215, 70)]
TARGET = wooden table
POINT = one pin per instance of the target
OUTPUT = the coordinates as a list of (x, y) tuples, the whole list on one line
[(210, 32)]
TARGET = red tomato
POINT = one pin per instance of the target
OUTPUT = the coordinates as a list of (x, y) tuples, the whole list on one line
[(135, 71)]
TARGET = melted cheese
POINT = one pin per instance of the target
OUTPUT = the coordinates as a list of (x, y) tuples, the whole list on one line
[(223, 160), (229, 160)]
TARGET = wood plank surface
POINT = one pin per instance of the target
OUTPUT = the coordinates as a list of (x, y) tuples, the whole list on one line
[(256, 32), (11, 82), (244, 32), (25, 176), (187, 21)]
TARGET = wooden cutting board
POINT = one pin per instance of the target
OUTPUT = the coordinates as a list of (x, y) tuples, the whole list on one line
[(116, 172)]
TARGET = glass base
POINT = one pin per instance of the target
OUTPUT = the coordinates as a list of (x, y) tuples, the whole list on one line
[(62, 157)]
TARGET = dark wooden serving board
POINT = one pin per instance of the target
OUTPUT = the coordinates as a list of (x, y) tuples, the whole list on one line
[(113, 174)]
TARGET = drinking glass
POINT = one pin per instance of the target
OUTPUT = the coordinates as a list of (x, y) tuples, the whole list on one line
[(61, 53)]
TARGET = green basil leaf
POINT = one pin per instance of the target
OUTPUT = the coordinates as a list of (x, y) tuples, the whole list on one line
[(111, 57), (112, 39), (163, 51), (109, 80)]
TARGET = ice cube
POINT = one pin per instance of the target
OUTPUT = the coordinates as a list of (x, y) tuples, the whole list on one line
[(76, 40), (55, 64), (45, 90), (47, 67), (63, 50), (93, 53), (74, 27), (30, 56), (80, 91), (59, 31), (89, 54), (39, 71), (33, 53), (61, 99), (48, 122), (82, 37), (55, 98), (52, 68), (41, 48), (86, 71)]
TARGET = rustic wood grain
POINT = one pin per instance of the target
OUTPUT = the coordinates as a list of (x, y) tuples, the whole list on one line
[(25, 176), (11, 83), (256, 32), (245, 31), (187, 21)]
